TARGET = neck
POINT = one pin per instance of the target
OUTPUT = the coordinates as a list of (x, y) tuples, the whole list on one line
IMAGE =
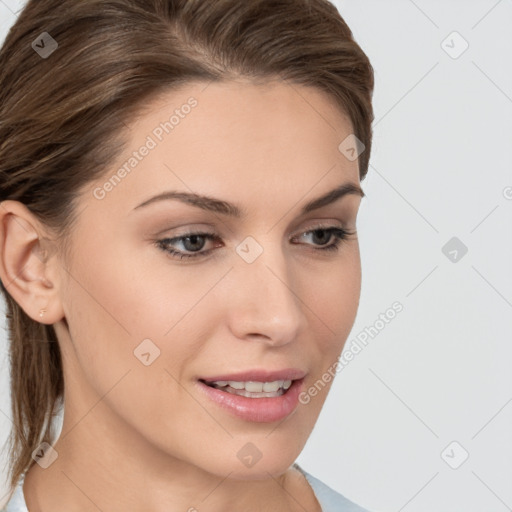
[(103, 465)]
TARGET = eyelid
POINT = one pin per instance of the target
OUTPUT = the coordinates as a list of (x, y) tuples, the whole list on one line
[(210, 229), (339, 233), (323, 224)]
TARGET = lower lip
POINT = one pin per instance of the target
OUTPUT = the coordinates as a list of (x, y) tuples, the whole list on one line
[(261, 410)]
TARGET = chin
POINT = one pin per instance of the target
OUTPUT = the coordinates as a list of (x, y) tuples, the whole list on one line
[(260, 471), (251, 463)]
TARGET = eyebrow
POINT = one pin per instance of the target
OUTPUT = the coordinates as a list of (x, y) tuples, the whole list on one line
[(212, 204)]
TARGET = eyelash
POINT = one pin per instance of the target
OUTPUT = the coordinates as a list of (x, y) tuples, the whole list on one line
[(340, 235)]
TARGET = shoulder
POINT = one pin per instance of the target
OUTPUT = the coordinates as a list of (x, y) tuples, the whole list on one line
[(329, 499), (16, 502)]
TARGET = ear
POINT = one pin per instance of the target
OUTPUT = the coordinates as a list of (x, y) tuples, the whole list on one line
[(26, 270)]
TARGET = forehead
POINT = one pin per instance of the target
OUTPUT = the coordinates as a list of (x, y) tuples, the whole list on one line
[(237, 140)]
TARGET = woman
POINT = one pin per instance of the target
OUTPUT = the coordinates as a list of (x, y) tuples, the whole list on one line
[(180, 181)]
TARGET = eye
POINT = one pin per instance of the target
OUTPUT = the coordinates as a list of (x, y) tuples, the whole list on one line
[(324, 234), (195, 241)]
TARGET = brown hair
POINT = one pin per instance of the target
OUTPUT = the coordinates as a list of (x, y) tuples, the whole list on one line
[(61, 120)]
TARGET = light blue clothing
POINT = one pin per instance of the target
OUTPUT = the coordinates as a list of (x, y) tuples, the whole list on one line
[(329, 500)]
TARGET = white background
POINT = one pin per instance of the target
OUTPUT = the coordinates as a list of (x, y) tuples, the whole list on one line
[(440, 167)]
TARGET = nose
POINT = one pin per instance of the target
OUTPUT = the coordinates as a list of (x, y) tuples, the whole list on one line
[(264, 304)]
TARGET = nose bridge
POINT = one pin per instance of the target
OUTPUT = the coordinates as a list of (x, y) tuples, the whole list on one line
[(266, 303)]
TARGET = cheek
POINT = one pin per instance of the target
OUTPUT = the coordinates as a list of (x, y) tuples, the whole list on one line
[(333, 297), (136, 294), (111, 308), (115, 301)]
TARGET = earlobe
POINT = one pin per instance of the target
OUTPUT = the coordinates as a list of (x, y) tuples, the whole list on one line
[(25, 269)]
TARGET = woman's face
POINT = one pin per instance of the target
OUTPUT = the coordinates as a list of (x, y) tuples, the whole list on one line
[(143, 327)]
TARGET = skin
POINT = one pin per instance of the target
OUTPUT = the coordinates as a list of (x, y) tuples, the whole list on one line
[(142, 438)]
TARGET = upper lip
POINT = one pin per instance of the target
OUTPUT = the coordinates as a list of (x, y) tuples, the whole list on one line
[(259, 375)]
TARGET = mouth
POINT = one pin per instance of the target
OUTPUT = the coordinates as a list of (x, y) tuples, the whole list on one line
[(256, 396), (252, 389)]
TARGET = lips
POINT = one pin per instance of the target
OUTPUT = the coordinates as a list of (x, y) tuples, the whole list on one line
[(254, 408), (257, 376)]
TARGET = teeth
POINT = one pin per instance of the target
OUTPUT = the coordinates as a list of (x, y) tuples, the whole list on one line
[(255, 387), (272, 386)]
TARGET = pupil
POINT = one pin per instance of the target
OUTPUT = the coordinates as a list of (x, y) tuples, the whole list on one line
[(194, 239), (324, 232)]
